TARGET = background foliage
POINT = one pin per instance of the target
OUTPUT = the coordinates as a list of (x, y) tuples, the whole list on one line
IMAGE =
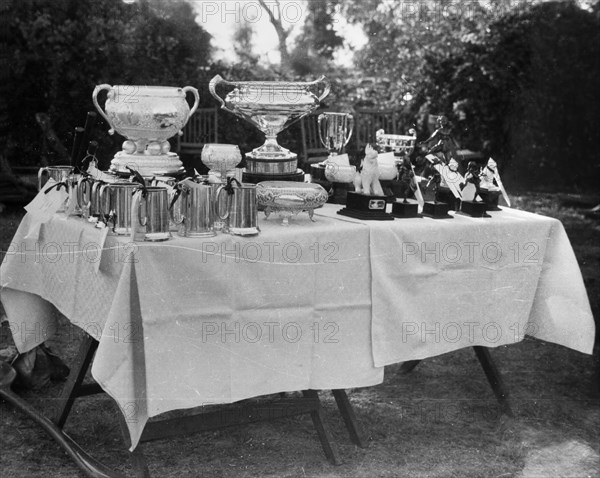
[(518, 80)]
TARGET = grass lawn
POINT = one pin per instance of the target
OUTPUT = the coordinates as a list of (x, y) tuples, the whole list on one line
[(441, 420)]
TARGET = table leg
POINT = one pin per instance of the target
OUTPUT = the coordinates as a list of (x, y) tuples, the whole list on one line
[(494, 378), (409, 366), (489, 368), (345, 408), (73, 387), (324, 435)]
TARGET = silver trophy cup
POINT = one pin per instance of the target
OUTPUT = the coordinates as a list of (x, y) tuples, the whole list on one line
[(335, 130)]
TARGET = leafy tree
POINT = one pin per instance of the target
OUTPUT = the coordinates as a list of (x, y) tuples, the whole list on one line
[(243, 44), (314, 48), (61, 49), (527, 92)]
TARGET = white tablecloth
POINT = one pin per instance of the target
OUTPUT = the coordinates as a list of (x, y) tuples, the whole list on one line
[(316, 305)]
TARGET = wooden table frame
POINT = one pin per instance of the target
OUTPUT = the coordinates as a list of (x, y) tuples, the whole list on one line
[(228, 415), (491, 372)]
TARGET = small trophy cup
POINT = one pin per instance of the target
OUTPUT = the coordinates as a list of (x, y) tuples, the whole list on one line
[(335, 130), (271, 106), (147, 116)]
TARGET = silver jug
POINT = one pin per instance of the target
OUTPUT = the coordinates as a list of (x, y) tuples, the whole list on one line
[(195, 210), (241, 211), (60, 174), (151, 208), (115, 201)]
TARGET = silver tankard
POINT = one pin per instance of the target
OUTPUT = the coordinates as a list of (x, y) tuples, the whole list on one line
[(151, 208), (116, 208), (241, 214), (196, 209)]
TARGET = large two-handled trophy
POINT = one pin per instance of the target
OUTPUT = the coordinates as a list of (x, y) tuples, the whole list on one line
[(147, 116), (271, 106)]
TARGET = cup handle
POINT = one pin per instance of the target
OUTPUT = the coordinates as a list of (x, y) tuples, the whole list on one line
[(194, 91), (84, 196), (97, 90), (175, 201), (140, 200), (350, 128), (40, 174), (212, 85), (320, 119), (103, 201), (326, 87), (226, 215)]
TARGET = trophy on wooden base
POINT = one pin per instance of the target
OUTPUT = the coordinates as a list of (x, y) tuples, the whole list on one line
[(472, 204), (404, 184), (367, 201), (491, 186), (335, 130), (435, 209)]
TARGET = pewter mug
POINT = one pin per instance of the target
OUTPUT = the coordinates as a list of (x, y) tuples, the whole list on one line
[(59, 173), (116, 208), (170, 183), (241, 214), (151, 207), (196, 210)]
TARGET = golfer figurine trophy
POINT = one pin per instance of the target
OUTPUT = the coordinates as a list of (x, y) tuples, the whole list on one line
[(335, 130), (367, 201), (435, 208), (491, 186), (472, 203), (147, 116), (271, 106)]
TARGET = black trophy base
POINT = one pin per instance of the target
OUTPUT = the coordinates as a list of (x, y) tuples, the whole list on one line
[(490, 198), (317, 172), (436, 210), (388, 190), (445, 195), (255, 178), (363, 206), (339, 192), (405, 210), (473, 209)]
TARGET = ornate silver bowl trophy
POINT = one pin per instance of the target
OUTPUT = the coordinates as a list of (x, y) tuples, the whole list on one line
[(147, 116), (271, 106)]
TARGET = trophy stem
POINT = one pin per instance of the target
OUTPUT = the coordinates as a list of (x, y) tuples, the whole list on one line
[(271, 148)]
